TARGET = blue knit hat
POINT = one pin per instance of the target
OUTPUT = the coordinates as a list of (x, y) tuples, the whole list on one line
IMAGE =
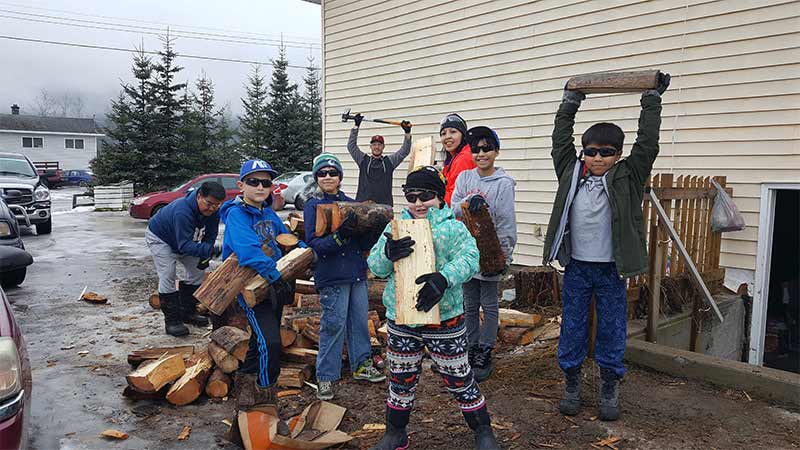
[(256, 165), (326, 160)]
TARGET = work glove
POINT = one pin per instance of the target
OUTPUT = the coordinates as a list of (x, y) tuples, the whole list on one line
[(494, 274), (431, 292), (397, 249), (571, 96), (348, 226), (661, 85), (216, 251), (406, 126), (357, 119), (476, 203), (203, 264), (283, 291)]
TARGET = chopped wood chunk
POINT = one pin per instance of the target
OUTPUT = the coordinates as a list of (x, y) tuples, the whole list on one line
[(137, 357), (224, 360), (233, 340), (114, 434), (191, 384), (93, 297), (153, 375), (218, 385), (185, 433)]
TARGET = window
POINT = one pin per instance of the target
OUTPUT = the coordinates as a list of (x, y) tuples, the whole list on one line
[(73, 143), (32, 142), (229, 183)]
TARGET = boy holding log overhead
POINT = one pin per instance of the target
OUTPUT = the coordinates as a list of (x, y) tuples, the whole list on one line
[(456, 262), (251, 227), (486, 186), (596, 232), (340, 276)]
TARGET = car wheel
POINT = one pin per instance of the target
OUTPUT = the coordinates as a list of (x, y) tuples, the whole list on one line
[(83, 184), (155, 209), (45, 228), (299, 203), (13, 278)]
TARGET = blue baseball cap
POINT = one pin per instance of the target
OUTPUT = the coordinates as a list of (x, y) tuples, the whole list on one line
[(475, 134), (256, 165)]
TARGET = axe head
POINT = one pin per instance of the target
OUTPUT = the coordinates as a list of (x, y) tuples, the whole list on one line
[(346, 116)]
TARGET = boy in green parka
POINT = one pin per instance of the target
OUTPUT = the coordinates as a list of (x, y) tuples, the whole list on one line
[(456, 262)]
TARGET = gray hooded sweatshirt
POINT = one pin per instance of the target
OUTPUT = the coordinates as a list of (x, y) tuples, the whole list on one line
[(498, 191)]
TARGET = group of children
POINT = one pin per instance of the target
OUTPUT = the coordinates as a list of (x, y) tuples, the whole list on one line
[(595, 232)]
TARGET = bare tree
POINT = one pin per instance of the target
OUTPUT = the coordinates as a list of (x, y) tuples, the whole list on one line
[(66, 104), (45, 103)]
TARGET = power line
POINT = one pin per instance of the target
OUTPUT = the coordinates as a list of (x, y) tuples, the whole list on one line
[(273, 35), (158, 32), (149, 52)]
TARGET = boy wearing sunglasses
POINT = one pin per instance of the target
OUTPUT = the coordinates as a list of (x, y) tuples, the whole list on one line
[(486, 186), (340, 276), (596, 232), (456, 262), (251, 227)]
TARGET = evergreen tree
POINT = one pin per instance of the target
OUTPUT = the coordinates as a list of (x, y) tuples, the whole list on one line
[(312, 117), (174, 164), (253, 128), (214, 134), (284, 118)]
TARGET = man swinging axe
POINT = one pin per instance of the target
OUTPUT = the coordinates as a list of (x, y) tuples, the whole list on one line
[(375, 169)]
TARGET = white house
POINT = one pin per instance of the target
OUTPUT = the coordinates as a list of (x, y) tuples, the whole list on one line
[(70, 141)]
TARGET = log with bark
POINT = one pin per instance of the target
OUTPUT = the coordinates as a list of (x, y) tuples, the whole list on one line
[(481, 227), (192, 383), (309, 302), (290, 266), (311, 332), (407, 270), (155, 300), (224, 360), (514, 318), (233, 340), (136, 357), (233, 316), (288, 336), (537, 286), (610, 82), (370, 217), (287, 242), (218, 385), (423, 153), (304, 287), (154, 375), (294, 375), (297, 226), (135, 395), (516, 335), (300, 355)]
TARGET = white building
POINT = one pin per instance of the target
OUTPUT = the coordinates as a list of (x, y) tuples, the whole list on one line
[(70, 141)]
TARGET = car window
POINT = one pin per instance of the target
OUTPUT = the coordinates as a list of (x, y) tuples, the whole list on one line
[(308, 178), (286, 177), (229, 183), (16, 166)]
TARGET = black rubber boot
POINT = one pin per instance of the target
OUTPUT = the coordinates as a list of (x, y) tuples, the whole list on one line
[(171, 307), (189, 305), (483, 364), (609, 395), (570, 405), (395, 437), (481, 425)]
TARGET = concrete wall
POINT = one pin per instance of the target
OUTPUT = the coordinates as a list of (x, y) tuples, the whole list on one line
[(53, 148)]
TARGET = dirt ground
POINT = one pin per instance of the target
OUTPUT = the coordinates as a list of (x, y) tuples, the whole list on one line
[(78, 355)]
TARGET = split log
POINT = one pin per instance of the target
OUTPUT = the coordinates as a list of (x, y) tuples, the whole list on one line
[(288, 336), (137, 357), (482, 228), (191, 384), (218, 384), (300, 355), (304, 342), (135, 395), (153, 375), (406, 271), (294, 375), (374, 318), (304, 287), (93, 297), (224, 360), (232, 340), (233, 316), (309, 301), (155, 300), (537, 286), (220, 289), (516, 335), (423, 153), (311, 332), (375, 290), (514, 318), (383, 332), (297, 226), (287, 242), (370, 216), (609, 82), (290, 266)]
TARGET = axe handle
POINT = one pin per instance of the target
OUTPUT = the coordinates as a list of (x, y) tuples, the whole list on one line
[(390, 122)]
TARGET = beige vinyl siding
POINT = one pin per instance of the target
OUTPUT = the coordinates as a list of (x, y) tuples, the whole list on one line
[(733, 108)]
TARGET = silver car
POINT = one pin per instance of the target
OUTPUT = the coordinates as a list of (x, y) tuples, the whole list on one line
[(291, 184)]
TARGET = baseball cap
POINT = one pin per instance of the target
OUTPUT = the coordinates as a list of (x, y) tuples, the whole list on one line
[(256, 165), (377, 138), (475, 134)]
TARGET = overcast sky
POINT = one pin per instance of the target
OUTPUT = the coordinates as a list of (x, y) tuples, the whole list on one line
[(95, 75)]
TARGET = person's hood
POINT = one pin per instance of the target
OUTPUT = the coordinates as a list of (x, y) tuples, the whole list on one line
[(238, 202), (435, 216), (499, 174), (191, 199)]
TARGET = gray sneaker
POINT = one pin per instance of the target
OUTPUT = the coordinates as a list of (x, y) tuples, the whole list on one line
[(366, 371), (325, 390)]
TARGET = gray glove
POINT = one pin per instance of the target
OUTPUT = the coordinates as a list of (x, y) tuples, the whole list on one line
[(661, 87), (571, 96)]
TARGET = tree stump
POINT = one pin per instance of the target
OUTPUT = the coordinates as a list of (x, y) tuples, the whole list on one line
[(537, 286)]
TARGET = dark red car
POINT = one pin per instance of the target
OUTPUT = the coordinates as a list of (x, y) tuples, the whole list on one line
[(15, 369), (145, 206)]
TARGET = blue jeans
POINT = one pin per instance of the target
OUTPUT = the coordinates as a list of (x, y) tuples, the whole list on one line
[(481, 294), (580, 279), (345, 312)]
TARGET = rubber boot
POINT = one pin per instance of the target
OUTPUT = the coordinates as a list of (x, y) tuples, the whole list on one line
[(609, 395), (189, 305), (570, 405), (171, 307), (483, 364), (481, 425), (395, 437), (250, 395)]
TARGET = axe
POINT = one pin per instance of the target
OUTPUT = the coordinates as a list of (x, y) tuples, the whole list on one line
[(347, 116)]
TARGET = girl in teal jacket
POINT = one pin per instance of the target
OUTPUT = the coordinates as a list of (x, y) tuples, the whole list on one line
[(456, 262)]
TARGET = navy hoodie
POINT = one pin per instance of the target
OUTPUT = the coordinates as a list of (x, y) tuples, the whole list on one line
[(184, 229), (339, 260), (247, 229)]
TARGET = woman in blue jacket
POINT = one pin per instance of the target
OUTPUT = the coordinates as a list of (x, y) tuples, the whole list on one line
[(340, 276)]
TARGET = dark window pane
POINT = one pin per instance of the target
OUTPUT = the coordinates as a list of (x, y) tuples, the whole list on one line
[(79, 143), (69, 143), (27, 142), (37, 142)]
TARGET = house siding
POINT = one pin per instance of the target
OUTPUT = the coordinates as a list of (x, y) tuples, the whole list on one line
[(53, 148), (733, 108)]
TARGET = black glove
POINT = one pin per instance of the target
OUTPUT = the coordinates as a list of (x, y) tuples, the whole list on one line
[(406, 126), (431, 292), (397, 249), (348, 226), (476, 203), (283, 292), (216, 251), (663, 82), (203, 264), (571, 96), (494, 274), (357, 119)]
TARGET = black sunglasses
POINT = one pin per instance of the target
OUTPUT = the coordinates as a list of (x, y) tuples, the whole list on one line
[(484, 148), (266, 182), (424, 196), (604, 151), (327, 173)]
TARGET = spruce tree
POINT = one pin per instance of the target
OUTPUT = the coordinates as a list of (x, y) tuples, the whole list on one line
[(312, 117), (253, 128), (284, 118), (173, 164), (214, 134)]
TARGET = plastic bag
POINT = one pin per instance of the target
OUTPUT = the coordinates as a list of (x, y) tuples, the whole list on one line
[(725, 216)]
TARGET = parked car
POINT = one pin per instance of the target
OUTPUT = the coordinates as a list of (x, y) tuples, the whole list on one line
[(147, 205), (79, 177), (9, 227), (51, 173), (15, 368), (290, 184), (25, 192)]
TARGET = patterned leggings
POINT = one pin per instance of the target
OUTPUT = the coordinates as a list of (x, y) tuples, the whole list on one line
[(447, 344)]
